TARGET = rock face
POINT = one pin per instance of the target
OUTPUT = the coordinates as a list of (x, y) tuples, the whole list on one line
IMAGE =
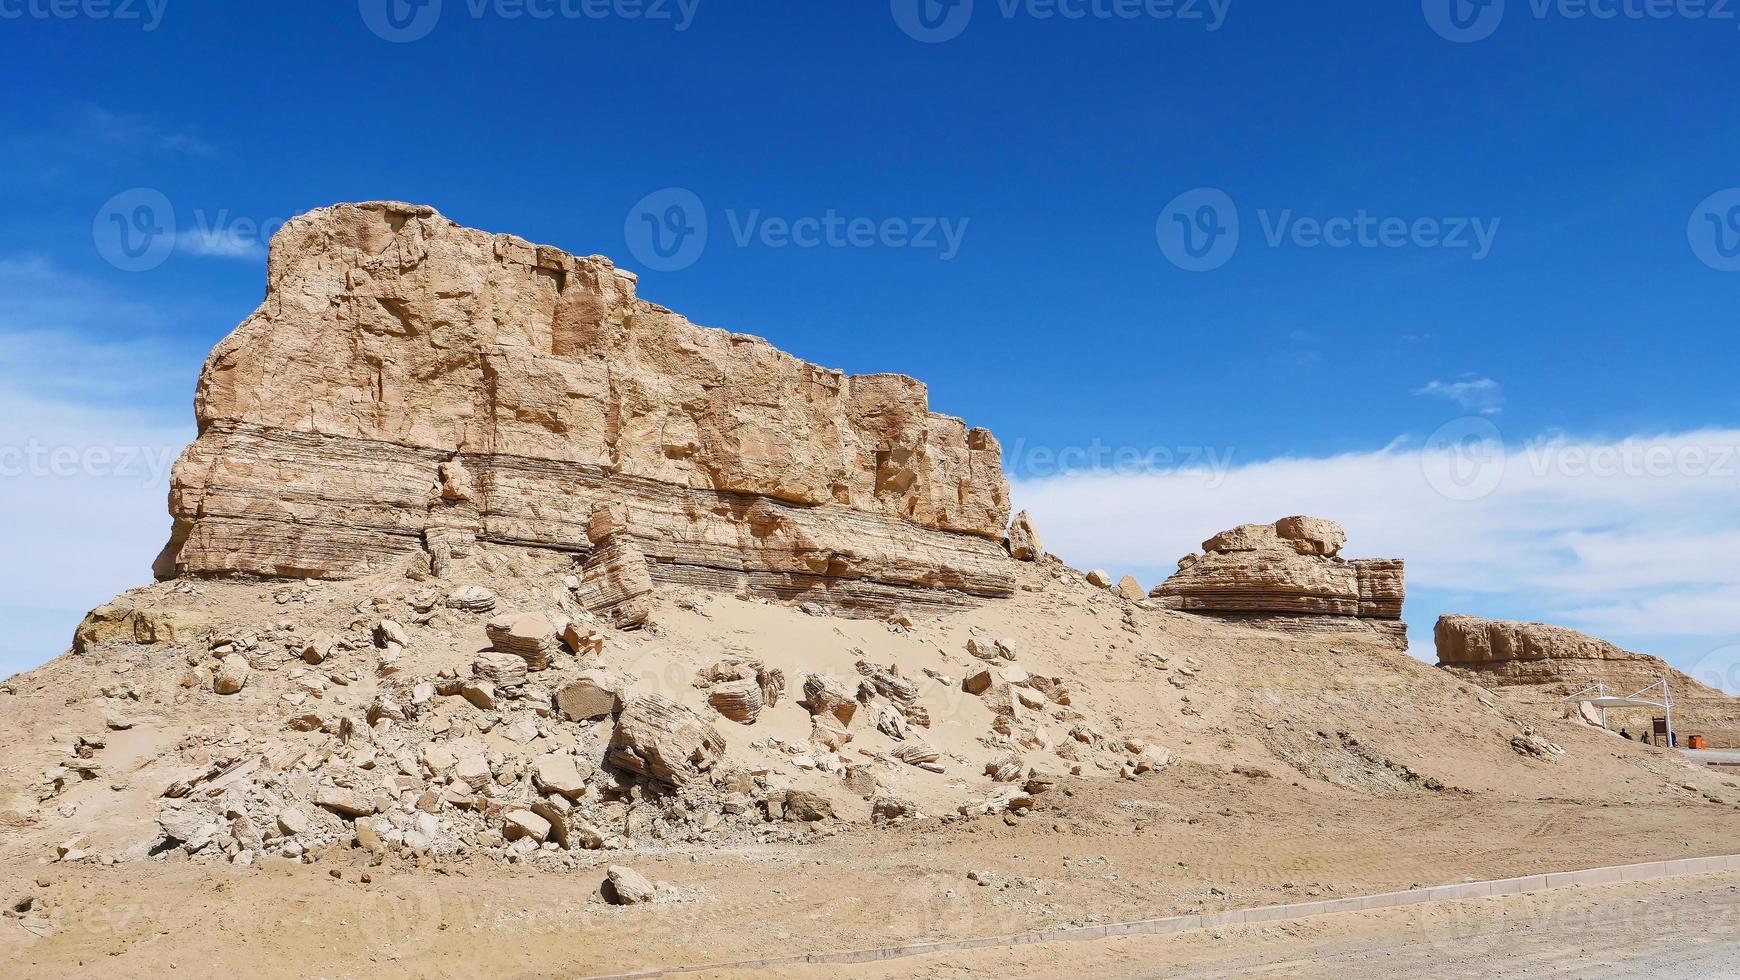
[(1290, 575), (411, 388), (1540, 664), (1498, 652)]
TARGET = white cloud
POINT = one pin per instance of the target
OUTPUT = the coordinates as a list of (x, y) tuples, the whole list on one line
[(1628, 538), (1482, 395), (220, 243)]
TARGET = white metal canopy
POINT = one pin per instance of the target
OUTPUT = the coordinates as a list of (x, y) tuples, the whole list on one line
[(1636, 699)]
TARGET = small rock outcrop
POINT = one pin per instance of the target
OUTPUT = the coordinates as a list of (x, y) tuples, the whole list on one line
[(1290, 575), (412, 390)]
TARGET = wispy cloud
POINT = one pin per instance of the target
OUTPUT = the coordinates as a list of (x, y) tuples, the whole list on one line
[(1629, 538), (1482, 395), (219, 244), (49, 322)]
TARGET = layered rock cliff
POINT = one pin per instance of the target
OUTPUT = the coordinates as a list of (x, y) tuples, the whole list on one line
[(1290, 575), (411, 388), (1538, 663)]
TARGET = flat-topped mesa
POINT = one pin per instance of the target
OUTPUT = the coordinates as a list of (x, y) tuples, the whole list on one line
[(410, 388), (1510, 652), (1534, 663), (1290, 575)]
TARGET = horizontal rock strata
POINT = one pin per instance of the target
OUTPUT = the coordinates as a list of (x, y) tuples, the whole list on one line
[(1289, 575), (411, 387)]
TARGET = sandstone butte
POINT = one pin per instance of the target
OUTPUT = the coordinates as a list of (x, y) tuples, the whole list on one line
[(410, 387), (1290, 575), (1543, 665)]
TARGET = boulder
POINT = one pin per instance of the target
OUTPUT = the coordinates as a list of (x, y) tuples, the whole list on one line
[(529, 636), (1023, 540), (592, 695), (1131, 589), (663, 741), (232, 674), (1099, 578), (625, 886)]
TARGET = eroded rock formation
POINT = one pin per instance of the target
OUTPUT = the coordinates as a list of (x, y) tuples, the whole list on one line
[(1538, 663), (1289, 575), (1499, 652), (410, 388)]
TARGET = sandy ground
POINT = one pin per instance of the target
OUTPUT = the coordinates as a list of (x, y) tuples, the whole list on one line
[(1681, 929), (862, 888), (1305, 767)]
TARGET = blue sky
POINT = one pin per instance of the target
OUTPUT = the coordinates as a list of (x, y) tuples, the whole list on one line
[(1531, 192)]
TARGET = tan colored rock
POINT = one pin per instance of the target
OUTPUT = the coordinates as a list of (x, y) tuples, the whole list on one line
[(345, 802), (559, 773), (1099, 578), (1312, 535), (625, 886), (804, 806), (529, 636), (1131, 589), (472, 599), (663, 741), (592, 695), (978, 681), (1288, 576), (120, 622), (739, 701), (1023, 541), (232, 674), (826, 695), (525, 823), (502, 669), (410, 389)]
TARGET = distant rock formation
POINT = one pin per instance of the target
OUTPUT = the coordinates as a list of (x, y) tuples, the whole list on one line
[(1541, 664), (1290, 575), (411, 388), (1535, 653)]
